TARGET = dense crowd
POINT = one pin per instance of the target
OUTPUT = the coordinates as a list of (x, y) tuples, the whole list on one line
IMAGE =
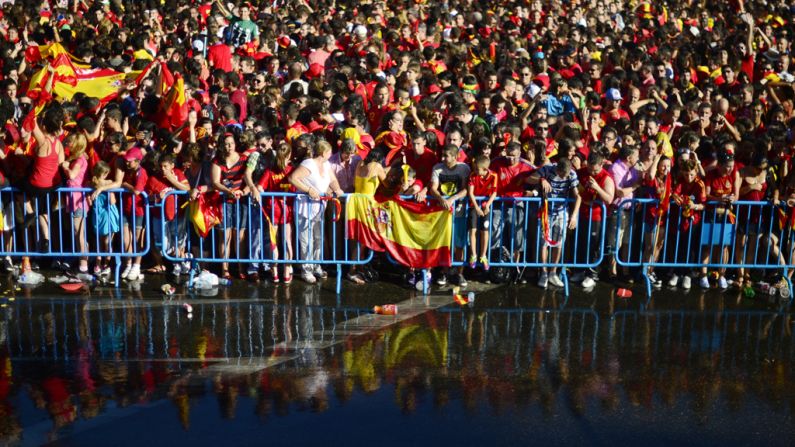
[(597, 102)]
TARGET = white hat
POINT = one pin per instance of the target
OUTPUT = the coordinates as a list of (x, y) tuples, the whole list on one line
[(360, 30), (198, 45), (533, 90)]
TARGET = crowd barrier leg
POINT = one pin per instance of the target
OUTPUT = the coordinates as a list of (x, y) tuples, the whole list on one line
[(425, 284), (339, 279)]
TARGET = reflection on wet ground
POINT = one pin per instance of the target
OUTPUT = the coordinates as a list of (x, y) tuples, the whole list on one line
[(517, 366)]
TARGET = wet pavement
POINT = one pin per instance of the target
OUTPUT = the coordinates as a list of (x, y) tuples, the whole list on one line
[(298, 365)]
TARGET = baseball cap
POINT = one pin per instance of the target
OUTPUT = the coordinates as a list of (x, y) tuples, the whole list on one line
[(613, 94), (134, 154)]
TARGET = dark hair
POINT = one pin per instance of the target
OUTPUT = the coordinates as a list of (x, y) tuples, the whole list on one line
[(52, 119)]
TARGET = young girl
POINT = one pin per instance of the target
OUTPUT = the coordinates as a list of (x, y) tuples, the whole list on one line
[(689, 194), (74, 169), (105, 216), (280, 209), (658, 186)]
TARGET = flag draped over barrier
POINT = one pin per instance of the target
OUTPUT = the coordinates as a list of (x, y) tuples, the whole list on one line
[(414, 234), (205, 212)]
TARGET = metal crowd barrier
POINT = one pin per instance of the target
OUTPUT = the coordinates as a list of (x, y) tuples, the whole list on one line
[(22, 215), (517, 236), (720, 236), (315, 239)]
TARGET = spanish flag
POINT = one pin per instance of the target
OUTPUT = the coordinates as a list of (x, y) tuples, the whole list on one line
[(415, 235), (174, 106), (205, 212), (37, 53), (101, 83)]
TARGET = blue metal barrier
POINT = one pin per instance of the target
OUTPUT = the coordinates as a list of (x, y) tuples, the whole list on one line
[(316, 239), (57, 223), (720, 236), (517, 239)]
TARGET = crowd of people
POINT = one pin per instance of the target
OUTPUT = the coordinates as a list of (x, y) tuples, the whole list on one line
[(457, 103)]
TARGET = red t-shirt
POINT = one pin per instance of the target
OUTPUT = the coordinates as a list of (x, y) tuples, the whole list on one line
[(422, 165), (591, 208), (689, 194), (138, 180), (510, 179), (220, 56), (157, 184), (278, 209), (483, 185)]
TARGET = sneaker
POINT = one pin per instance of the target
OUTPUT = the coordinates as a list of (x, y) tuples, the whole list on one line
[(319, 273), (543, 280), (578, 277), (126, 272), (588, 282), (419, 284), (673, 281), (441, 280), (309, 278), (722, 283), (704, 282), (177, 269), (556, 281), (135, 273), (484, 261), (655, 281), (462, 282), (288, 276), (473, 260), (686, 282)]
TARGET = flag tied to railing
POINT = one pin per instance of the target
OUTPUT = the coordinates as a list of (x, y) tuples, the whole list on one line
[(414, 234)]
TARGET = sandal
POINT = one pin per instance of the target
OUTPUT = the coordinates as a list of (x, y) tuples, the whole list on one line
[(355, 278)]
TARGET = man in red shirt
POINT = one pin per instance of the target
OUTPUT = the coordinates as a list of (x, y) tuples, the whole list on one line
[(596, 187), (167, 179), (219, 55), (422, 160), (512, 171)]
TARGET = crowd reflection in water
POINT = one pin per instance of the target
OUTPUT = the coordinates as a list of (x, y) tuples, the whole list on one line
[(72, 358)]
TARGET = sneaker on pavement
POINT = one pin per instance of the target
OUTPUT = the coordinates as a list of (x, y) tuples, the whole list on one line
[(177, 269), (655, 281), (578, 277), (555, 280), (673, 281), (135, 273), (462, 282), (722, 283), (309, 278), (441, 280), (126, 272), (703, 282), (588, 282), (543, 280), (686, 280)]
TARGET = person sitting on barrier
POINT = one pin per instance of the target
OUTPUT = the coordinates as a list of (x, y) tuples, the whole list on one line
[(558, 181), (105, 217), (280, 209), (227, 175), (596, 188), (315, 178), (723, 186), (657, 186), (75, 171), (482, 183), (448, 185)]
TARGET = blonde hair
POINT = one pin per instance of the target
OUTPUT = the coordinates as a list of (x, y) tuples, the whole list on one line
[(100, 169), (323, 146), (77, 143)]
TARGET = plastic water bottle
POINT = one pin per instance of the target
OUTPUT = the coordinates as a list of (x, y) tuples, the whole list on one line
[(784, 292), (471, 298)]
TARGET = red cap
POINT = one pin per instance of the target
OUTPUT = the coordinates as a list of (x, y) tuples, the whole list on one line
[(314, 71), (134, 154)]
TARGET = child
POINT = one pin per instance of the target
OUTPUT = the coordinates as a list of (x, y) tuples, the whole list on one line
[(689, 194), (75, 171), (448, 184), (558, 181), (134, 181), (482, 184), (105, 216)]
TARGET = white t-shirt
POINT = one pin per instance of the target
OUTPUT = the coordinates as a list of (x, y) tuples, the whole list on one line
[(319, 179)]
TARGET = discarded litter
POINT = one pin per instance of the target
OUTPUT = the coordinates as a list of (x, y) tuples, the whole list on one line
[(168, 289), (386, 309), (624, 293)]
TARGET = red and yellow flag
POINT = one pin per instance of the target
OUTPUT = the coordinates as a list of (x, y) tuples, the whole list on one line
[(205, 212), (174, 106), (543, 215), (415, 235)]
